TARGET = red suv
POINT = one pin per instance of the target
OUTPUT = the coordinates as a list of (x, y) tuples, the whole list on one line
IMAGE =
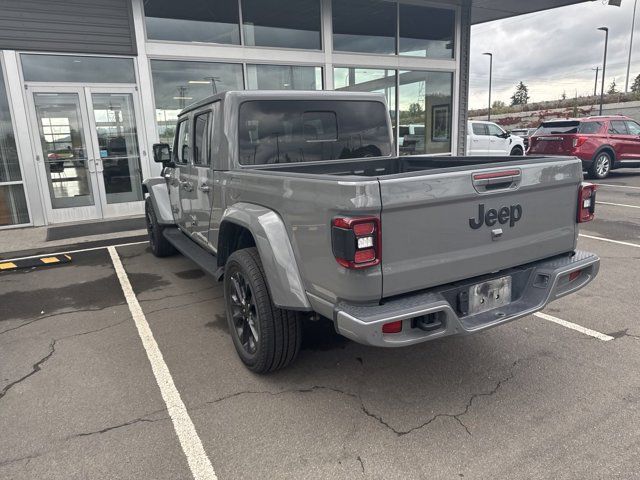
[(602, 143)]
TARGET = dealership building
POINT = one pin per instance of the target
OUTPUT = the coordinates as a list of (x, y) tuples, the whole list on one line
[(87, 86)]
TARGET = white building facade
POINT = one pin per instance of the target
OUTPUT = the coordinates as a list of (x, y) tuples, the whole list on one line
[(86, 87)]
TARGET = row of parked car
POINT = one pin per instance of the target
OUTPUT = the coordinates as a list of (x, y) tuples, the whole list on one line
[(603, 143)]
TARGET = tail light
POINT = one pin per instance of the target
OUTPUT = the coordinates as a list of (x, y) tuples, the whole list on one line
[(579, 141), (586, 202), (356, 241)]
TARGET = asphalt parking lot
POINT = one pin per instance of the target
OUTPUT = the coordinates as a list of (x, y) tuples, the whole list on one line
[(532, 399)]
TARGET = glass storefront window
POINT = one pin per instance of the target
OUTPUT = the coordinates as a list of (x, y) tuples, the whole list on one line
[(193, 21), (13, 204), (177, 84), (367, 26), (425, 112), (283, 77), (427, 31), (368, 80), (282, 23), (77, 69)]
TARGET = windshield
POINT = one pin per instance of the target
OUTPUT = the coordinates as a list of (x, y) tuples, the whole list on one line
[(292, 131)]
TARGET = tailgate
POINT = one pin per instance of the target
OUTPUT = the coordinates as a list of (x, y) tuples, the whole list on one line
[(444, 227), (551, 145)]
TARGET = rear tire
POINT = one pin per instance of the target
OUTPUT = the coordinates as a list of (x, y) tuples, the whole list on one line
[(160, 246), (266, 337), (517, 152), (601, 166)]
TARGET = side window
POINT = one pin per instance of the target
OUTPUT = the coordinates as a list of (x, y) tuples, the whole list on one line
[(182, 148), (618, 127), (634, 128), (590, 127), (201, 144), (495, 130), (480, 129)]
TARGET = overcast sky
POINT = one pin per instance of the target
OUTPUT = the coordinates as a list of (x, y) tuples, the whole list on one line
[(553, 52)]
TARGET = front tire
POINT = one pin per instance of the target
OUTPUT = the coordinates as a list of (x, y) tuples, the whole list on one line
[(601, 166), (160, 246), (266, 337), (517, 152)]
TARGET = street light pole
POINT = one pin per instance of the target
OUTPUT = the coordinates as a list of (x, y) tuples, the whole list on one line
[(595, 87), (633, 26), (490, 81), (604, 64)]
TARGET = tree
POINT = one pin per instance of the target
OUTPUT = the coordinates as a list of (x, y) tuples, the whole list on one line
[(415, 109), (498, 105), (635, 88), (613, 88), (521, 96)]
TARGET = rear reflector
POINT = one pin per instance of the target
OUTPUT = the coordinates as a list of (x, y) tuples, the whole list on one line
[(586, 202), (392, 327)]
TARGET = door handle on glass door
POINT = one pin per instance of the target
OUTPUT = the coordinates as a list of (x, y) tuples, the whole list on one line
[(99, 166), (91, 165)]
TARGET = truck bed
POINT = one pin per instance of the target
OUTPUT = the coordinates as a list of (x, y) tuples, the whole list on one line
[(443, 219), (386, 166)]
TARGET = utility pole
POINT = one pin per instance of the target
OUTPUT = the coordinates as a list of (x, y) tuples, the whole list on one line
[(490, 55), (633, 26), (595, 87), (604, 64)]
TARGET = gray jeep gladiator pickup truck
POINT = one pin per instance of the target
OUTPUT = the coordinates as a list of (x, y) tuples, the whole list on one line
[(297, 201)]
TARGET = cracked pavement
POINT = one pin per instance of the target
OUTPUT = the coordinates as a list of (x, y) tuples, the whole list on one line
[(527, 400)]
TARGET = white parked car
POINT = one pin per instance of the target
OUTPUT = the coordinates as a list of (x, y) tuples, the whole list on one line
[(490, 139)]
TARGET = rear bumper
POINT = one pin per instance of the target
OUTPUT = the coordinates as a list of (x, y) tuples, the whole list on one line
[(535, 285)]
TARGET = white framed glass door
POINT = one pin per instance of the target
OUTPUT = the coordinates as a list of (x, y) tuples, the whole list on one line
[(115, 134), (88, 151)]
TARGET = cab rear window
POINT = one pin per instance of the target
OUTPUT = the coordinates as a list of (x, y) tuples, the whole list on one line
[(294, 131)]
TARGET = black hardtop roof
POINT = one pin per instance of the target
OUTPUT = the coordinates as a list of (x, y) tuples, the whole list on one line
[(243, 95)]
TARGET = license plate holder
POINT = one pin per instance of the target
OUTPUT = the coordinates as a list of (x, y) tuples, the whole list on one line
[(489, 295)]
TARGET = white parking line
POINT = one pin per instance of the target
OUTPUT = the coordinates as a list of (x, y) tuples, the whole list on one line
[(628, 244), (618, 204), (617, 186), (573, 326), (197, 458), (73, 251)]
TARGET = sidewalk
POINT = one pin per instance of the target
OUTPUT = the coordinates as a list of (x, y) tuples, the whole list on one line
[(70, 236)]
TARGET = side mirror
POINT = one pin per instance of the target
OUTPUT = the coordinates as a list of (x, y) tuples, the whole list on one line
[(161, 153)]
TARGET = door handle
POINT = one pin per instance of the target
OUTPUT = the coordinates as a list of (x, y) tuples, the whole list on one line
[(91, 165), (99, 166), (204, 187)]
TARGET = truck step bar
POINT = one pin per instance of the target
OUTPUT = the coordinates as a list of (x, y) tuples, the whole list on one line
[(193, 252)]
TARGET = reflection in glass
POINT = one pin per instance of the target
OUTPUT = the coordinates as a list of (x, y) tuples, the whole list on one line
[(368, 80), (177, 84), (283, 77), (425, 112), (118, 146), (282, 23), (13, 205), (64, 149), (193, 21), (79, 69), (427, 31), (367, 26), (9, 165)]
